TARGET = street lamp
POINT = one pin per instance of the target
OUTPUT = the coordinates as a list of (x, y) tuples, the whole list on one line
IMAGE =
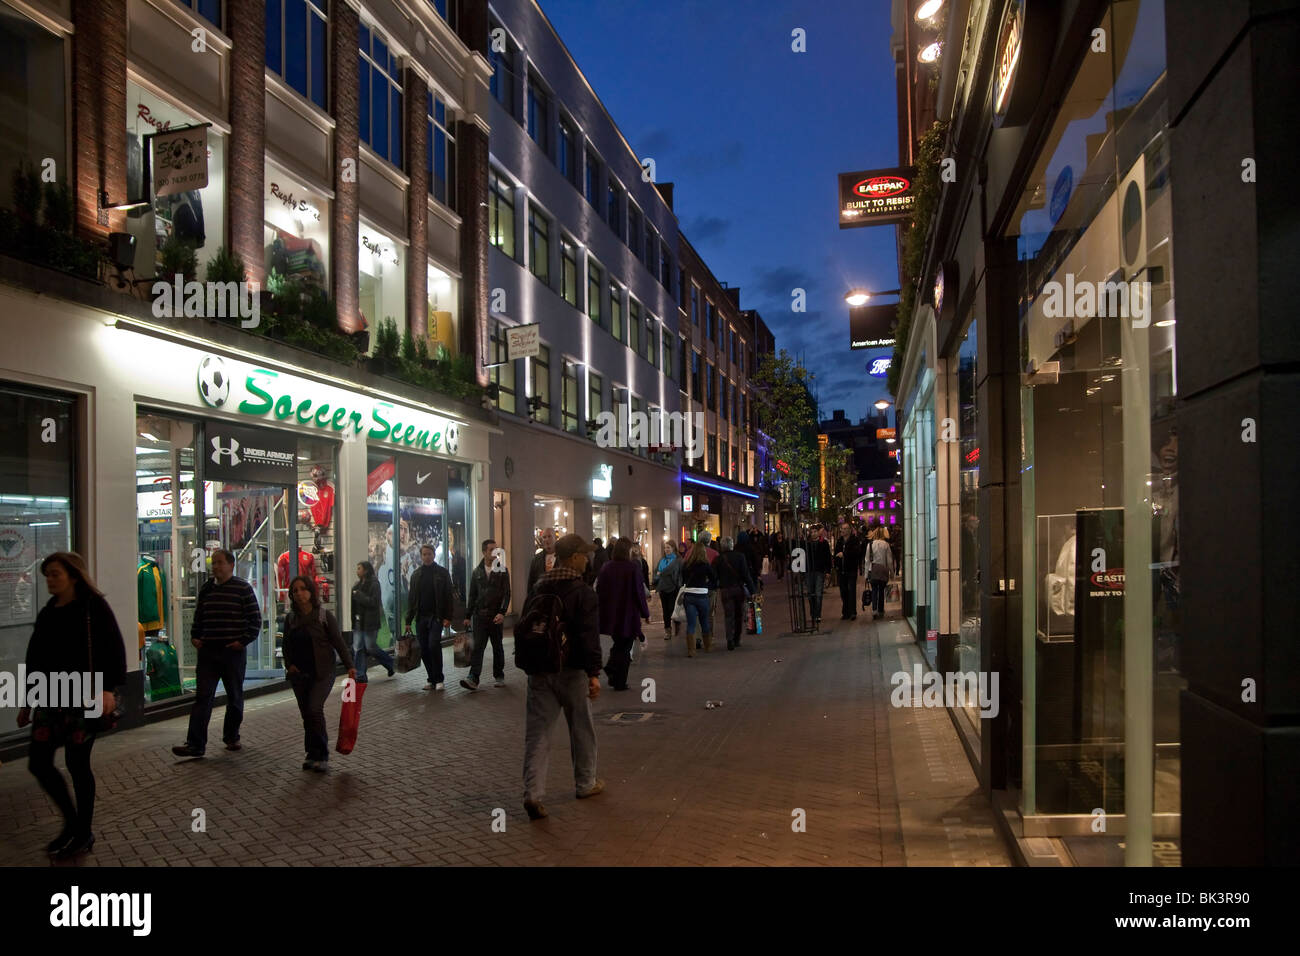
[(883, 404), (857, 297)]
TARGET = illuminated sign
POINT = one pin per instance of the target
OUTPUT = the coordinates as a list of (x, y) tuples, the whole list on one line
[(603, 486), (879, 367), (877, 197), (885, 433), (1025, 44), (872, 326), (688, 503), (1008, 61), (973, 456)]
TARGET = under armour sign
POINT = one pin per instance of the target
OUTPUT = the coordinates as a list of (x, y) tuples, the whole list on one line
[(249, 454)]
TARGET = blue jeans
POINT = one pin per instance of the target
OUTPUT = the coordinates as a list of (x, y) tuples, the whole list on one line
[(367, 643), (697, 609), (312, 694), (816, 587), (548, 694), (217, 664)]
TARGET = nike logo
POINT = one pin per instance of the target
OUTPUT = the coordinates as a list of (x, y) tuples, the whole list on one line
[(419, 478)]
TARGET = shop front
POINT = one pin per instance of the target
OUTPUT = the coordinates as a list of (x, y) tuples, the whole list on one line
[(921, 490), (718, 508)]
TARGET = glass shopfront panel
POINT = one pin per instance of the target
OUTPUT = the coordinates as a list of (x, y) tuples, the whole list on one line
[(38, 458), (295, 233), (604, 523), (381, 291), (1100, 459), (968, 637), (442, 319), (922, 517)]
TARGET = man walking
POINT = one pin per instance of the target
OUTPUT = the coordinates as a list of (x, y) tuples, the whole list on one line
[(850, 564), (543, 560), (736, 583), (819, 569), (570, 690), (226, 620), (430, 606), (485, 609)]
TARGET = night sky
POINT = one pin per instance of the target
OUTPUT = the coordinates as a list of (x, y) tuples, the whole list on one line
[(753, 136)]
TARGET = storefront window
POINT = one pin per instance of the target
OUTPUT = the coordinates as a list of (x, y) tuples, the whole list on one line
[(553, 513), (32, 109), (296, 231), (569, 403), (195, 218), (922, 573), (442, 329), (382, 289), (502, 372), (604, 523), (968, 638), (37, 493)]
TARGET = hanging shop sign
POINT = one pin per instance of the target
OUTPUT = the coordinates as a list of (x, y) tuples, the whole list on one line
[(255, 455), (259, 393), (421, 478), (688, 503), (945, 288), (1024, 46), (885, 433), (871, 326), (523, 341), (180, 159), (602, 486), (877, 197), (879, 367)]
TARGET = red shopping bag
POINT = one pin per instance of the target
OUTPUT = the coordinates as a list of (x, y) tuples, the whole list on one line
[(350, 715)]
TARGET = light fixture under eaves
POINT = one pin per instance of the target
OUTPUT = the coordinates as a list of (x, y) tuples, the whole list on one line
[(930, 53), (927, 10)]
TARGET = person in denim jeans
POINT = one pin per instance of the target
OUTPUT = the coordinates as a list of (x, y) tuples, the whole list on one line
[(698, 581), (311, 636), (367, 605)]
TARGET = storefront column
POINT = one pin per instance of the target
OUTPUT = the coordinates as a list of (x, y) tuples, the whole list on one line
[(947, 463), (345, 31), (415, 102), (247, 141), (98, 106)]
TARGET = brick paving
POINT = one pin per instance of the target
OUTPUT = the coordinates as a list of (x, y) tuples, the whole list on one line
[(805, 730)]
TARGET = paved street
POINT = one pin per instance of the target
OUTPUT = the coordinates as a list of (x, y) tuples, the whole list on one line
[(805, 725)]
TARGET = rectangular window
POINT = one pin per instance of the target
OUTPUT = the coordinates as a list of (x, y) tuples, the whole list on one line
[(540, 382), (665, 267), (651, 339), (634, 228), (681, 287), (442, 152), (723, 457), (695, 305), (295, 230), (725, 394), (502, 83), (539, 111), (592, 180), (638, 405), (502, 373), (295, 43), (711, 386), (539, 245), (666, 352), (595, 402), (735, 463), (569, 398), (501, 214), (209, 10), (711, 315), (614, 203), (697, 389), (742, 356), (381, 287), (594, 275), (616, 311), (568, 271), (651, 249), (634, 325), (381, 95), (568, 158), (731, 338)]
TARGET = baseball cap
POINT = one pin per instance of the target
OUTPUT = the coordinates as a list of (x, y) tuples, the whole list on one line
[(570, 545)]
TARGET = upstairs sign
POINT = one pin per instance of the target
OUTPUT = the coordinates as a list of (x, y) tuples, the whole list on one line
[(877, 197)]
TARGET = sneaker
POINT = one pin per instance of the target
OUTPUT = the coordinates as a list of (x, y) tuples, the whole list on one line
[(392, 671), (534, 809), (309, 765), (597, 787), (185, 750), (499, 682), (469, 683), (428, 685), (440, 686)]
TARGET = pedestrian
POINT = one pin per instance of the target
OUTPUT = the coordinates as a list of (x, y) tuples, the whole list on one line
[(75, 633), (819, 569), (639, 558), (429, 593), (489, 599), (698, 581), (736, 584), (543, 560), (598, 559), (620, 595), (311, 636), (745, 545), (667, 582), (226, 620), (779, 554), (880, 568), (367, 605), (850, 557), (570, 690)]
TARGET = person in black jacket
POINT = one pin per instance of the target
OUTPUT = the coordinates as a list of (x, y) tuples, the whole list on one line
[(736, 584), (485, 609), (542, 561), (698, 581), (367, 604), (75, 633), (429, 603), (849, 560), (311, 636), (577, 683), (819, 569), (780, 551)]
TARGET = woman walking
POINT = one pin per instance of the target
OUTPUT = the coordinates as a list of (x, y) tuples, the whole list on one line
[(311, 636), (620, 595), (880, 568), (667, 582), (698, 581), (367, 603), (75, 633), (639, 558)]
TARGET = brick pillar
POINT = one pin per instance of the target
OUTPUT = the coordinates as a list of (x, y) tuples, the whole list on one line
[(247, 142), (416, 103), (344, 54), (99, 113), (471, 203), (472, 25)]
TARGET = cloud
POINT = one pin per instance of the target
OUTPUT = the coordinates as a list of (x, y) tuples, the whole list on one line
[(779, 282), (705, 228), (729, 156), (656, 142)]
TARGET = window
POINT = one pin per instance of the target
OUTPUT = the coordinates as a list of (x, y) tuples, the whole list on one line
[(295, 230), (539, 245), (735, 410), (442, 152), (614, 202), (681, 286), (723, 410), (501, 214), (567, 154), (594, 275), (682, 367), (444, 302), (695, 304), (381, 290), (616, 311), (540, 381), (209, 10), (731, 338), (651, 339), (539, 106), (502, 84), (502, 373), (568, 271), (735, 463), (666, 352), (711, 387), (448, 10), (696, 389), (710, 328), (634, 325), (296, 46), (665, 267), (634, 229), (592, 191), (742, 356), (638, 406), (32, 112), (595, 401), (381, 96), (651, 249), (723, 457), (569, 397)]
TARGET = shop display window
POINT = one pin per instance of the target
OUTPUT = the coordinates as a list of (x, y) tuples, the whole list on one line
[(381, 292), (968, 637), (295, 233), (32, 111), (442, 324)]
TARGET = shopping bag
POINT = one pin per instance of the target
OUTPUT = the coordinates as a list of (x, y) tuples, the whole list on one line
[(751, 621), (409, 657), (758, 615), (766, 567), (350, 715), (463, 649), (679, 608)]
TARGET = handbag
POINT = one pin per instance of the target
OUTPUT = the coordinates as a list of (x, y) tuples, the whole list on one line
[(751, 620), (104, 722), (409, 657), (679, 608), (463, 649), (350, 719)]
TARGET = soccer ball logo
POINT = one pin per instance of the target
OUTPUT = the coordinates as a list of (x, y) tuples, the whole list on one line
[(214, 381), (451, 439)]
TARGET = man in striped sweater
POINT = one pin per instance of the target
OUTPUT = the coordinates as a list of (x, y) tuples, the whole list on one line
[(226, 620)]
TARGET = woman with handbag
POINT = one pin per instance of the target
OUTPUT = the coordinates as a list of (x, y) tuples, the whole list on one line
[(367, 602), (880, 568), (667, 582), (75, 633), (620, 596), (311, 636), (698, 582)]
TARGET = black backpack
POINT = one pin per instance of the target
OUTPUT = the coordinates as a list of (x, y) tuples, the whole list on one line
[(541, 646)]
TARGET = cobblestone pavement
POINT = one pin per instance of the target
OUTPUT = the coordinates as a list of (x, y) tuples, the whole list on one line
[(805, 725)]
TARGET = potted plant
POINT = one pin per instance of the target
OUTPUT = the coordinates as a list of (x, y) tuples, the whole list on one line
[(179, 258), (387, 347)]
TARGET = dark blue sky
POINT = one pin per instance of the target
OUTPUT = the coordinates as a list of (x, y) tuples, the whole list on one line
[(753, 136)]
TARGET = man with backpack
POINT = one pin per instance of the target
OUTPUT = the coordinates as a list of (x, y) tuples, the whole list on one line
[(557, 644)]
